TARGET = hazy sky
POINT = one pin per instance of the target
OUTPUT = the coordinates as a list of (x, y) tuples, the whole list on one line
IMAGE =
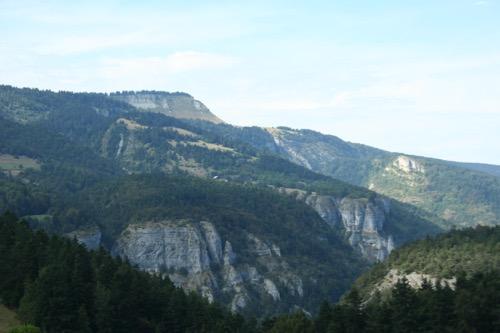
[(419, 77)]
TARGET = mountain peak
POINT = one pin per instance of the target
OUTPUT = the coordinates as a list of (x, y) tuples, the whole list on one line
[(176, 104)]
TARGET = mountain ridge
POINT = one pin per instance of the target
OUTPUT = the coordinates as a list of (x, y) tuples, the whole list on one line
[(213, 164)]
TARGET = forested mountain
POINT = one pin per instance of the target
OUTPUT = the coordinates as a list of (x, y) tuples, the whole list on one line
[(219, 209), (450, 283), (218, 216), (461, 194)]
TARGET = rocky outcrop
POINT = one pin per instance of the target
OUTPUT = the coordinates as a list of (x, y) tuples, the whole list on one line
[(196, 257), (363, 221), (415, 280), (408, 165), (178, 105)]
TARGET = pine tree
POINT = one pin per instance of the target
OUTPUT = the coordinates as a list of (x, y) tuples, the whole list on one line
[(403, 307), (324, 317)]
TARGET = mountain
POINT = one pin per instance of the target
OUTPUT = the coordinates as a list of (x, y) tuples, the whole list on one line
[(264, 220), (460, 194), (238, 225)]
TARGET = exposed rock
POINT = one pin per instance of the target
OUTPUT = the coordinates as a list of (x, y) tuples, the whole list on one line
[(191, 253), (326, 207), (231, 277), (120, 146), (163, 245), (293, 154), (293, 283), (271, 289), (229, 255), (276, 250), (362, 219), (415, 280), (407, 164), (179, 105), (213, 241), (239, 302), (252, 275), (259, 247), (299, 194), (91, 238)]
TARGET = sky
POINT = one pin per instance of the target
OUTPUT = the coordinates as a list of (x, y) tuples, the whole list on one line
[(419, 77)]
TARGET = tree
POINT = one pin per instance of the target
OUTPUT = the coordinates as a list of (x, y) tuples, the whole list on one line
[(403, 307), (324, 317)]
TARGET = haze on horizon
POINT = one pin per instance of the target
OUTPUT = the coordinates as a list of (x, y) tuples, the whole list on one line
[(416, 77)]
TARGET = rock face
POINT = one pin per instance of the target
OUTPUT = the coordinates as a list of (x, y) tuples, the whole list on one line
[(178, 105), (407, 164), (196, 257), (363, 221), (158, 247)]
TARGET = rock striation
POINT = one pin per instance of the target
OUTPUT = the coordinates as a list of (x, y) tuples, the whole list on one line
[(178, 105), (362, 220), (195, 256)]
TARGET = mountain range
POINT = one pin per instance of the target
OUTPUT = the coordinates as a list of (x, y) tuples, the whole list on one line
[(265, 220)]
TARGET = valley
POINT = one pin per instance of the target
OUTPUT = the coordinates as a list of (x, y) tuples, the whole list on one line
[(264, 220)]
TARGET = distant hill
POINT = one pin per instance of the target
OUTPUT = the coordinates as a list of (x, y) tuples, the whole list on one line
[(461, 194), (486, 168)]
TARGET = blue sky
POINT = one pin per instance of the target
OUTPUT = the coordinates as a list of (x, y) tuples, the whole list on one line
[(420, 77)]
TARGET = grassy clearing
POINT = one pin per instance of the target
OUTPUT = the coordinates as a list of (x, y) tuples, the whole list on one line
[(8, 319), (15, 164)]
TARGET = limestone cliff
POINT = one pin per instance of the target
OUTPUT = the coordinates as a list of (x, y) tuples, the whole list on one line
[(197, 258), (178, 105), (362, 219)]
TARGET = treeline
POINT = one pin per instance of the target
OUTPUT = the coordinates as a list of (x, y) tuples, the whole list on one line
[(59, 286), (472, 305)]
